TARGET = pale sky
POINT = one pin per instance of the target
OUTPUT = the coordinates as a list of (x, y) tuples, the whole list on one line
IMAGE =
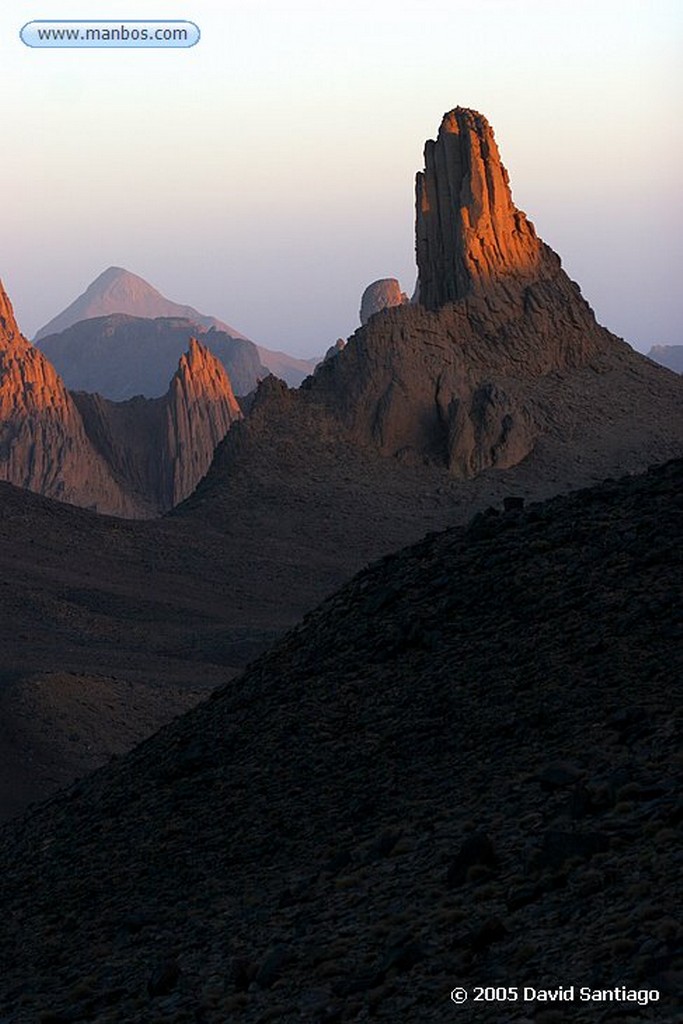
[(266, 175)]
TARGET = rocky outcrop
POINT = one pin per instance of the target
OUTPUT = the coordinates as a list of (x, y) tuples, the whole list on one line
[(162, 447), (200, 409), (380, 295), (120, 356), (135, 458), (335, 349), (470, 236), (456, 377), (43, 444)]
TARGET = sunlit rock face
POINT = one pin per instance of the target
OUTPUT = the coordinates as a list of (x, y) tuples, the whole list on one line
[(469, 233), (43, 444), (200, 409), (381, 295)]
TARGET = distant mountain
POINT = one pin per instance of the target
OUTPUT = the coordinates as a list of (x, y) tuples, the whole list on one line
[(119, 291), (79, 355), (120, 356), (290, 369), (670, 356)]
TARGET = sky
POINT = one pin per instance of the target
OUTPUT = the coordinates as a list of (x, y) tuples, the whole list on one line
[(266, 174)]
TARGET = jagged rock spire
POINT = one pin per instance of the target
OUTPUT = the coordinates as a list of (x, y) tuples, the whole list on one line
[(469, 233), (8, 324), (200, 409)]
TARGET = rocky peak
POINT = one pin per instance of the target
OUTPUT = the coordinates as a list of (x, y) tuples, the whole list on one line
[(162, 447), (200, 409), (201, 374), (469, 233), (8, 324)]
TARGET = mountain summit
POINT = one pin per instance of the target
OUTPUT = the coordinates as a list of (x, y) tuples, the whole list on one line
[(8, 324), (469, 233), (119, 291)]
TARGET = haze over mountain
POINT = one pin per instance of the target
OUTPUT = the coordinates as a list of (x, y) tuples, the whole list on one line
[(119, 291), (118, 358)]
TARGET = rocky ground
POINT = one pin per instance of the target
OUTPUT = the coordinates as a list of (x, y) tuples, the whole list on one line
[(462, 770)]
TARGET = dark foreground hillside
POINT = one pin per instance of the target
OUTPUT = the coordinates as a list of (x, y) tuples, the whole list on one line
[(462, 770)]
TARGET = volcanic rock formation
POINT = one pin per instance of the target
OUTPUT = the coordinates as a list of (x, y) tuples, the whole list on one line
[(133, 458), (472, 375), (163, 447), (380, 295), (43, 444), (470, 236)]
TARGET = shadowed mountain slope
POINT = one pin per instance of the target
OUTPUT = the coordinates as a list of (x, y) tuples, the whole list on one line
[(181, 602), (422, 419), (460, 770)]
